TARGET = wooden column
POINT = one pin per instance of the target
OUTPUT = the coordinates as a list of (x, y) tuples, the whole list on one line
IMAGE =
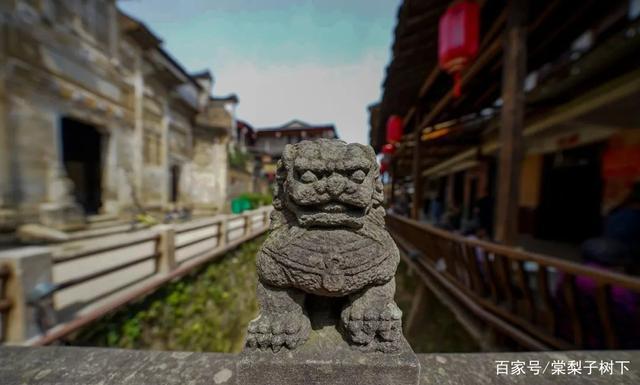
[(417, 175), (511, 122), (450, 197), (467, 199)]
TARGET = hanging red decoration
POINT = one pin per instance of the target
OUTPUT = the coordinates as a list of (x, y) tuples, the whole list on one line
[(388, 149), (459, 31), (383, 168), (394, 129)]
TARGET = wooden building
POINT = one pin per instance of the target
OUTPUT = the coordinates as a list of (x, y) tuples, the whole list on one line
[(545, 138), (270, 141)]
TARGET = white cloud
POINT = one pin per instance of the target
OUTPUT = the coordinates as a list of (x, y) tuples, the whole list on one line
[(317, 93)]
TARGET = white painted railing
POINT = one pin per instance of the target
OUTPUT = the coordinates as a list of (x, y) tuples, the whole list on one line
[(80, 282)]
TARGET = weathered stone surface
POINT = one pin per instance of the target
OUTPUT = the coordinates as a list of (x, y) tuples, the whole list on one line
[(39, 233), (62, 216), (480, 368), (30, 267), (328, 241), (91, 366), (74, 366), (327, 359)]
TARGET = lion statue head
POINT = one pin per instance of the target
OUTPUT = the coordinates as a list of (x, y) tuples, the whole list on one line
[(327, 183)]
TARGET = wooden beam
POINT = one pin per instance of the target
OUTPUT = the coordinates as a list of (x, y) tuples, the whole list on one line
[(497, 25), (482, 60), (490, 50), (428, 82), (568, 23), (409, 115), (599, 97), (512, 122)]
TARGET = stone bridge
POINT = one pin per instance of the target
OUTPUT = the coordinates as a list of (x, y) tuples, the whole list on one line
[(90, 366), (49, 292)]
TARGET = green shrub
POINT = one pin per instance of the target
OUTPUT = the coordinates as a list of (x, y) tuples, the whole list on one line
[(239, 159), (257, 200)]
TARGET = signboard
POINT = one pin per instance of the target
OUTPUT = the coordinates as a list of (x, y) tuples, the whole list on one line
[(621, 162)]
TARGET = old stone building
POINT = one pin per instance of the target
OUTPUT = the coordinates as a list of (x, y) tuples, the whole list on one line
[(97, 118)]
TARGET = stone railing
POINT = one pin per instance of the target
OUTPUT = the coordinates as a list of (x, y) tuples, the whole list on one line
[(58, 290), (87, 366)]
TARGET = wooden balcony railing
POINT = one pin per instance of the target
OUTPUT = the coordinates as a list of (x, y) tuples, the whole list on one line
[(538, 301)]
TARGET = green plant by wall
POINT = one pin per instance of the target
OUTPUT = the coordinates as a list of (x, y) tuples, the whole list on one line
[(239, 159), (208, 310), (257, 199)]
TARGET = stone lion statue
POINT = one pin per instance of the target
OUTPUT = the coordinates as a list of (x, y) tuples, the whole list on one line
[(327, 240)]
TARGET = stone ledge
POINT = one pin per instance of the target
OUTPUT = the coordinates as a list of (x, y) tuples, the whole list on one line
[(88, 366), (327, 359)]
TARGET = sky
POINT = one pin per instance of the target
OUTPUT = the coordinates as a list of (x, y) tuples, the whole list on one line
[(317, 61)]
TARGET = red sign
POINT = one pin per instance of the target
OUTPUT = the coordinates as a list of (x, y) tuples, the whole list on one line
[(621, 162)]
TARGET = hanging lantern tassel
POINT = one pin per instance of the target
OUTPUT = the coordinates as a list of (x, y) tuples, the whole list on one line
[(457, 84), (388, 149), (383, 168)]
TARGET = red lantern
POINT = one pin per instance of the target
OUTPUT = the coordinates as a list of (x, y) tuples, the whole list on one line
[(383, 168), (388, 149), (458, 39), (394, 129)]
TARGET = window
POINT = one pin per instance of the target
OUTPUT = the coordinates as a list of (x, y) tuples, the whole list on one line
[(152, 147)]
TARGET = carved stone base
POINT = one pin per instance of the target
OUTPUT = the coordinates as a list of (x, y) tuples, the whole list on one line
[(327, 359)]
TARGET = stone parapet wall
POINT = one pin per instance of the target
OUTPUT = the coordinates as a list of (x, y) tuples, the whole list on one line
[(68, 365)]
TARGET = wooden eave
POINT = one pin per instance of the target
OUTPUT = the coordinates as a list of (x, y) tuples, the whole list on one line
[(482, 89)]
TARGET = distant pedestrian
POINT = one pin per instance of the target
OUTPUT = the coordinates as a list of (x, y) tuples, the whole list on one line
[(477, 232), (471, 225), (435, 210), (606, 254), (450, 220)]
